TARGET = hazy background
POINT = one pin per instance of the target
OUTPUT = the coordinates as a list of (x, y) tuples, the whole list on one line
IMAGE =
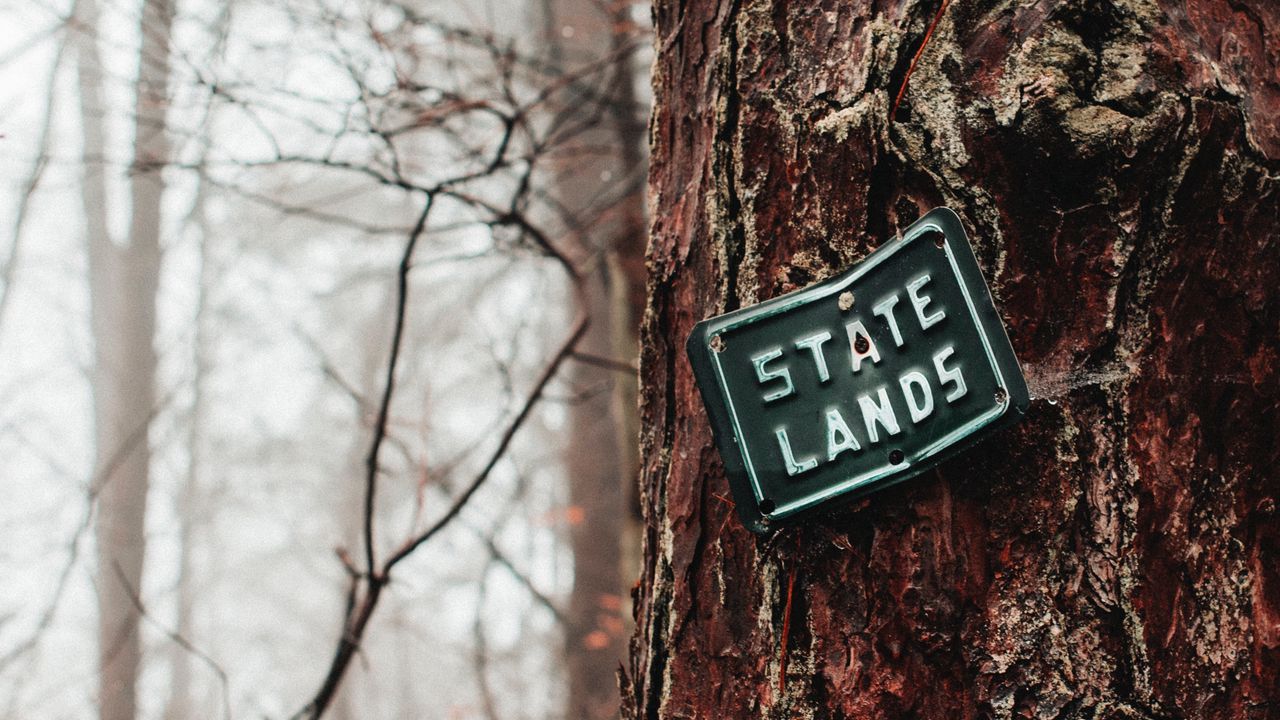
[(253, 172)]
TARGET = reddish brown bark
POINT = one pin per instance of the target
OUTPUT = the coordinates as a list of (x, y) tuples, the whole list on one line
[(1117, 165)]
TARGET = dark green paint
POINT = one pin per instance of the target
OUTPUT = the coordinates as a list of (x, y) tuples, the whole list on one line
[(746, 425)]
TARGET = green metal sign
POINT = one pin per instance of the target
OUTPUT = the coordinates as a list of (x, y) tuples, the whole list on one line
[(858, 382)]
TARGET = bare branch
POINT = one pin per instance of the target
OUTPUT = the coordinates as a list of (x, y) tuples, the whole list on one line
[(374, 583), (180, 641), (607, 363), (500, 558), (549, 372), (384, 409), (8, 271)]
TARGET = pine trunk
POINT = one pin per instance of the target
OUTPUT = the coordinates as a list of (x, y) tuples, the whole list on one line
[(1116, 165)]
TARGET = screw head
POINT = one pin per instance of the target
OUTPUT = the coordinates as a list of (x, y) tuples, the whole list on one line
[(846, 300)]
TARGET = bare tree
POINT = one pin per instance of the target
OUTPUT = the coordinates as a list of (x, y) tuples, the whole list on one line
[(524, 90)]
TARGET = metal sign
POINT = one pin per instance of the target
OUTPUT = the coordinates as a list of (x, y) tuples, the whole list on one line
[(858, 382)]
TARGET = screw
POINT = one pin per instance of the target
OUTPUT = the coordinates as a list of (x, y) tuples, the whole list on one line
[(846, 300), (717, 343), (1001, 396)]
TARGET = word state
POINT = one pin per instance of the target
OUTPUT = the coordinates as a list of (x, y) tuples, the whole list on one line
[(773, 370)]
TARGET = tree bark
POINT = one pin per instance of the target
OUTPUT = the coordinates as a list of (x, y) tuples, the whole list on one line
[(1115, 163)]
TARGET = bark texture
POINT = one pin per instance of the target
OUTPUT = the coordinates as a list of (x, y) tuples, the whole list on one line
[(1116, 165)]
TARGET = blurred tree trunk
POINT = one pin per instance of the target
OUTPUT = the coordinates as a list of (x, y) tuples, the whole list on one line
[(597, 185), (123, 280), (1118, 553), (191, 506)]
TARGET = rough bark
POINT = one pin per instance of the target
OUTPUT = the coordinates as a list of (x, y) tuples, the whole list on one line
[(123, 281), (1116, 554)]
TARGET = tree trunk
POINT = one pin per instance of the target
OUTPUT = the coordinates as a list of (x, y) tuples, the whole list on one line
[(603, 214), (1115, 554), (123, 282)]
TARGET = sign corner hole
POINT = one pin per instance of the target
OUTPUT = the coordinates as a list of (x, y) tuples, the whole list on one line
[(896, 457), (1001, 396), (717, 343), (939, 239), (767, 506)]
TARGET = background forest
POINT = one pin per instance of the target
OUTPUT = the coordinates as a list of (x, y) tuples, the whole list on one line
[(309, 311)]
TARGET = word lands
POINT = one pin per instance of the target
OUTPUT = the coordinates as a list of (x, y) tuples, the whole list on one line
[(773, 372)]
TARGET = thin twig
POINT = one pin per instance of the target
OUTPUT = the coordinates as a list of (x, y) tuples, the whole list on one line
[(912, 68), (384, 409), (8, 271), (177, 639), (605, 362), (97, 483), (548, 372), (786, 631), (500, 558), (479, 655), (358, 618)]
